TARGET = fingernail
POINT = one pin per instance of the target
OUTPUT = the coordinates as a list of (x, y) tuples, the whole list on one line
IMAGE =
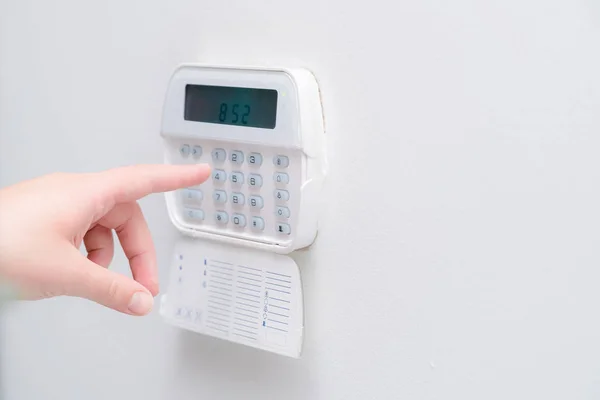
[(141, 303)]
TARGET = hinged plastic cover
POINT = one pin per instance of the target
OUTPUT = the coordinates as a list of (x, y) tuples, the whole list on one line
[(238, 294)]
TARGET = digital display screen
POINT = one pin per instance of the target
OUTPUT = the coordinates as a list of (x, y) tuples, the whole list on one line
[(226, 105)]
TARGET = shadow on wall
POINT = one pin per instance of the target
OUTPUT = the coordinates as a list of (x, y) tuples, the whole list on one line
[(222, 362)]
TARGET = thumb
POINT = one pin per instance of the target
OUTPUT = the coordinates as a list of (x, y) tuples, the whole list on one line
[(108, 288)]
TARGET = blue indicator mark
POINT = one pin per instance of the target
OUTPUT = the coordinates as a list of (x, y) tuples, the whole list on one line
[(180, 267), (181, 256), (204, 272), (205, 261), (264, 323)]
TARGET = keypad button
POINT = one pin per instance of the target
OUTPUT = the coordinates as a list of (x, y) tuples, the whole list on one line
[(281, 177), (219, 176), (192, 196), (221, 217), (219, 155), (281, 161), (196, 152), (282, 195), (255, 180), (237, 157), (219, 196), (256, 202), (237, 178), (255, 159), (258, 223), (283, 229), (193, 214), (238, 199), (238, 220), (283, 212), (184, 150)]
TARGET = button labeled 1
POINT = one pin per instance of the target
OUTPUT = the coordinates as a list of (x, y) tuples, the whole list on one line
[(219, 155)]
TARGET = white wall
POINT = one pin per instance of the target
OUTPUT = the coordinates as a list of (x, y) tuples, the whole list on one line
[(460, 252)]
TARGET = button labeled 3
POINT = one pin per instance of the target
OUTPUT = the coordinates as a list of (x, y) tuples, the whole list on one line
[(255, 159)]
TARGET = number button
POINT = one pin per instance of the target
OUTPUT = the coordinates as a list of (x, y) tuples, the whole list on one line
[(194, 215), (281, 177), (256, 202), (219, 155), (255, 159), (192, 196), (282, 195), (237, 178), (283, 212), (220, 196), (219, 176), (238, 199), (258, 223), (283, 229), (255, 180), (184, 150), (281, 161), (239, 220), (237, 157), (221, 217), (196, 152)]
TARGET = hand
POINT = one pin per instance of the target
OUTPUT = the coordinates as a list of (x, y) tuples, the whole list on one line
[(44, 221)]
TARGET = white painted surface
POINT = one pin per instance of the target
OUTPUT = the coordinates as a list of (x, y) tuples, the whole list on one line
[(477, 279)]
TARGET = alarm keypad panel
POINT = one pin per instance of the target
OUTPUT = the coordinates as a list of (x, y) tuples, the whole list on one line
[(250, 194), (261, 131)]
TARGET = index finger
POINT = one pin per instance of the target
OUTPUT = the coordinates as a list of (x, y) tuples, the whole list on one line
[(126, 184)]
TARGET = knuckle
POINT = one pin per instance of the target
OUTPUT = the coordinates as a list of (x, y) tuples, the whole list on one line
[(112, 292)]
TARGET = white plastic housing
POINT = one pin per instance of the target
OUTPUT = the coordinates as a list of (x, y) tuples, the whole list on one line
[(298, 135)]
